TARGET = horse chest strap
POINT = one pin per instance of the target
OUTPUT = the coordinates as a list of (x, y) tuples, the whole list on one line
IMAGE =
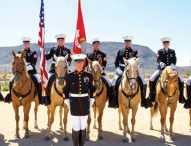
[(58, 92), (20, 96)]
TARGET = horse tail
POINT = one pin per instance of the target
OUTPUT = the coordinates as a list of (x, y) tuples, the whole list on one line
[(156, 107)]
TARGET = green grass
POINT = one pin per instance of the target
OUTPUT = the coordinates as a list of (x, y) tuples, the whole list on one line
[(5, 87)]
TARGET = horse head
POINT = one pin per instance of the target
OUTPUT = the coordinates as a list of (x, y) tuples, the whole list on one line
[(96, 70), (131, 73), (169, 81), (18, 66), (61, 68)]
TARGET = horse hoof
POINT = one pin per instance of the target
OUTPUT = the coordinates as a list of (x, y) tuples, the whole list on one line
[(162, 139), (46, 138), (125, 140), (100, 137), (27, 135), (133, 139), (128, 131), (94, 127), (120, 128), (17, 136), (66, 139)]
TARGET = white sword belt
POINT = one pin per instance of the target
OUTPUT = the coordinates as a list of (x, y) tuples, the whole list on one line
[(79, 95)]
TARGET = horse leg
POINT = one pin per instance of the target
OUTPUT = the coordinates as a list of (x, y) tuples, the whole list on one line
[(26, 109), (51, 120), (35, 113), (60, 112), (166, 129), (172, 112), (88, 128), (48, 114), (16, 109), (95, 117), (119, 113), (133, 120), (152, 115), (66, 110), (163, 112), (100, 116), (125, 123)]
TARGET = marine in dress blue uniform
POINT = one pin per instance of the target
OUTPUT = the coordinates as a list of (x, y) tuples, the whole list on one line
[(127, 53), (79, 94), (165, 57), (94, 55), (31, 59), (60, 50)]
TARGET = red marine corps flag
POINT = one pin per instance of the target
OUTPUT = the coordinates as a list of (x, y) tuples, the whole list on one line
[(41, 41), (80, 35)]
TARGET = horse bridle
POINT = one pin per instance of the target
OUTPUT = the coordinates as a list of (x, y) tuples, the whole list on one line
[(165, 91), (18, 94), (129, 96), (56, 89)]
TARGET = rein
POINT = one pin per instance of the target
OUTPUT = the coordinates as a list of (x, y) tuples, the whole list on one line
[(57, 91), (129, 96), (165, 92), (100, 91)]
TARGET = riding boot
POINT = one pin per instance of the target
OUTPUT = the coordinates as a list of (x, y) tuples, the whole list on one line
[(181, 95), (110, 94), (75, 137), (187, 104), (82, 137), (39, 90), (1, 97), (151, 96), (8, 96), (144, 102), (47, 100)]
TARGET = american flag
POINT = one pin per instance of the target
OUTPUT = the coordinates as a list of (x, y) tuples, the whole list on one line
[(41, 41)]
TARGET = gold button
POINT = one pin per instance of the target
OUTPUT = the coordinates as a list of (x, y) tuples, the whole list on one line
[(80, 92)]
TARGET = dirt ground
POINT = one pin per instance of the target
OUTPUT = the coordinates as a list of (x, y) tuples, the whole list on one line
[(112, 135)]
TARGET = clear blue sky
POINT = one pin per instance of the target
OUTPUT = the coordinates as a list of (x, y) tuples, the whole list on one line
[(146, 20)]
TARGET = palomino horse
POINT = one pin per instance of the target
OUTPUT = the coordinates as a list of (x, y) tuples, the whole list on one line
[(129, 96), (61, 69), (166, 97), (101, 97), (23, 92)]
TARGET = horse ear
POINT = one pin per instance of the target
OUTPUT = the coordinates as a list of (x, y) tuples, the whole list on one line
[(126, 61), (55, 57), (23, 53), (89, 61), (66, 58), (100, 60), (14, 54)]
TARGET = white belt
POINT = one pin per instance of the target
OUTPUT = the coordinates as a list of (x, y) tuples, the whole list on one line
[(79, 95), (122, 65)]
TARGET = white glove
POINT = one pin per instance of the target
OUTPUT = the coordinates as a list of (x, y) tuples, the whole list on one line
[(29, 67), (173, 66), (92, 100), (162, 65), (67, 102), (118, 71)]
